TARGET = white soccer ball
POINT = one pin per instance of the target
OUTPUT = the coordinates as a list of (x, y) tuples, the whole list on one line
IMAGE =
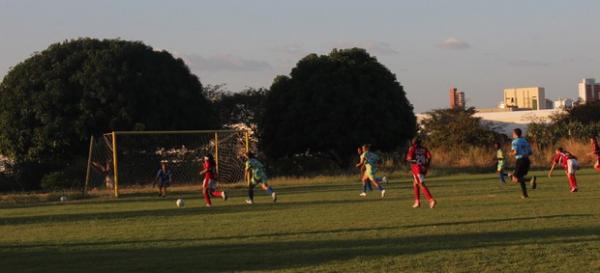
[(63, 199), (180, 203)]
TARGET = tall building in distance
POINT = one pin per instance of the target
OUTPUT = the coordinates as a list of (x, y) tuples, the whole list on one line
[(589, 90), (527, 98), (457, 98)]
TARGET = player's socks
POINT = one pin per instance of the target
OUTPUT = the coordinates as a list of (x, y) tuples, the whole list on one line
[(523, 189), (503, 177), (572, 182), (207, 198), (251, 194), (380, 188), (417, 192), (368, 187), (217, 194), (270, 190), (365, 187)]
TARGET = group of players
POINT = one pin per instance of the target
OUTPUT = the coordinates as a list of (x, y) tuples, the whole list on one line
[(254, 174), (419, 158)]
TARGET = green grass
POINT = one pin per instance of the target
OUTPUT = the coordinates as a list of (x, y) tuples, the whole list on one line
[(478, 226)]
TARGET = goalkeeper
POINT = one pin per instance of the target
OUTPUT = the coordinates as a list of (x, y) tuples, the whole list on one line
[(163, 177), (254, 174)]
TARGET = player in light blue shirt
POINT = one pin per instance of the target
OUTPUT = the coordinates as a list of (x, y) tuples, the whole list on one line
[(521, 150)]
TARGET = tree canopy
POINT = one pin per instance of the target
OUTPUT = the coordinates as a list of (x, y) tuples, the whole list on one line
[(457, 128), (332, 103), (53, 101)]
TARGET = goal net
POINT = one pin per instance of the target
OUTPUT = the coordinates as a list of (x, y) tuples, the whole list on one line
[(131, 159)]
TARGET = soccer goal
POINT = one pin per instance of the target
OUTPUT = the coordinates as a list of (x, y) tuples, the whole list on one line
[(131, 159)]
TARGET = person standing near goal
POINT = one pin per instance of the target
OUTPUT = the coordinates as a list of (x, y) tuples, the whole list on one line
[(521, 150), (254, 174), (209, 184), (419, 158), (369, 161), (163, 177), (569, 163)]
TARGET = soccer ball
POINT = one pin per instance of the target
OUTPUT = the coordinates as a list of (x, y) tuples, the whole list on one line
[(180, 203), (63, 199)]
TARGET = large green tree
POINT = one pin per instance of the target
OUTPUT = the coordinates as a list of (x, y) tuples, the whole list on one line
[(331, 103), (51, 103)]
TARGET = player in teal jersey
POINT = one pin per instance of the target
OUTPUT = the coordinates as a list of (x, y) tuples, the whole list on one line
[(500, 162), (254, 174), (370, 160)]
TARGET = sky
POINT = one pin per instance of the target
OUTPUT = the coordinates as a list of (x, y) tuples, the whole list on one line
[(478, 46)]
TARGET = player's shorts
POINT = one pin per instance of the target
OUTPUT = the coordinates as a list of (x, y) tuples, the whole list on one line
[(164, 184), (522, 167), (211, 184), (370, 172), (572, 166), (500, 166), (258, 180), (418, 169)]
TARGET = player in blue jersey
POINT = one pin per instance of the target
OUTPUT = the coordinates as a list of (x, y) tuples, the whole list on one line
[(521, 150), (163, 177)]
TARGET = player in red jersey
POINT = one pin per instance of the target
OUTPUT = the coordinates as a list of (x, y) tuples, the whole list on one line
[(209, 184), (419, 158), (569, 163), (595, 152)]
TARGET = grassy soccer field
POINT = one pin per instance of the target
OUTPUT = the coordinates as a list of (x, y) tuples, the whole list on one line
[(478, 226)]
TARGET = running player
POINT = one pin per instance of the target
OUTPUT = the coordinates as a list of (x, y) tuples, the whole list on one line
[(595, 152), (209, 184), (521, 150), (163, 177), (254, 173), (370, 160), (500, 162), (419, 158), (366, 186), (569, 163)]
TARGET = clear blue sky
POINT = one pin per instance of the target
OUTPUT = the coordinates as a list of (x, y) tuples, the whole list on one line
[(478, 46)]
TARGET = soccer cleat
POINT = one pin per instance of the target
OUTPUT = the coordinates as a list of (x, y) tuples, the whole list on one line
[(574, 190), (382, 193), (224, 196), (533, 182), (249, 202), (432, 203), (363, 194), (274, 197), (416, 204), (208, 205), (384, 180)]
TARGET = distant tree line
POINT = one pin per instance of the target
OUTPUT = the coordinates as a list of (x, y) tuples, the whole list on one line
[(578, 123), (54, 101)]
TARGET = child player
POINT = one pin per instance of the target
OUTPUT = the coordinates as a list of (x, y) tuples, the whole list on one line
[(500, 162), (255, 174), (569, 163), (521, 150), (369, 160), (595, 152), (366, 186), (209, 184), (420, 159), (163, 177)]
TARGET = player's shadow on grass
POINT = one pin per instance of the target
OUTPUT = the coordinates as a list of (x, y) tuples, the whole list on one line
[(222, 256), (262, 204)]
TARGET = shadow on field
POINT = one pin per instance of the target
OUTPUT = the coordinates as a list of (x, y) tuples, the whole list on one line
[(261, 205), (207, 256)]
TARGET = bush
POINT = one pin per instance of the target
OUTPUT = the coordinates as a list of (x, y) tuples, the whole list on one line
[(57, 181)]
